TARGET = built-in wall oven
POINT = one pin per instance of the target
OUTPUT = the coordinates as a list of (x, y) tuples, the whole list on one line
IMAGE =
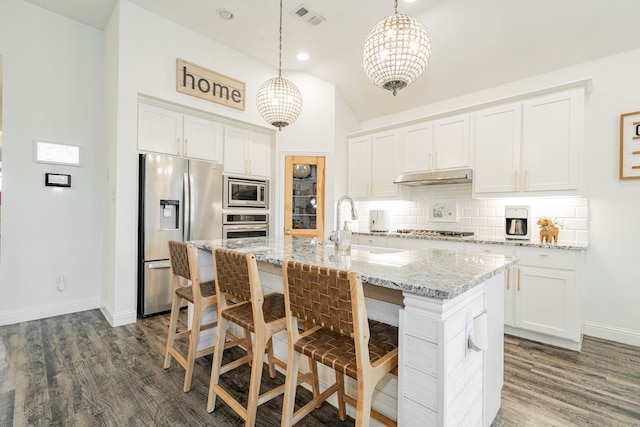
[(245, 193), (239, 225)]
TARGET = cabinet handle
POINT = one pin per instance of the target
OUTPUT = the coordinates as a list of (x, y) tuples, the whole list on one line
[(543, 254), (178, 141), (487, 251), (250, 166), (508, 277), (186, 146), (515, 180), (518, 280), (287, 232)]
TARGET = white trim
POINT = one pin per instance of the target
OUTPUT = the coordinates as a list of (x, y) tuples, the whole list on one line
[(48, 310), (118, 319), (543, 338), (612, 333)]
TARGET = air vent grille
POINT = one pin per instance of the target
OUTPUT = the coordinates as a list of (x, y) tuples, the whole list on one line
[(308, 16)]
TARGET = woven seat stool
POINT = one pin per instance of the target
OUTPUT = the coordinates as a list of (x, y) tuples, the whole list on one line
[(241, 301), (341, 337), (184, 269)]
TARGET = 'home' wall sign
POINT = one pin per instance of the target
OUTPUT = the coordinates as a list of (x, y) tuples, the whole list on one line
[(191, 79), (630, 145)]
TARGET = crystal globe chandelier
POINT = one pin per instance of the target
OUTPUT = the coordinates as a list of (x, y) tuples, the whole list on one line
[(278, 100), (396, 51)]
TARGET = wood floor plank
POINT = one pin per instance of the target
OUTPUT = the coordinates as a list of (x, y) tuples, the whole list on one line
[(77, 370)]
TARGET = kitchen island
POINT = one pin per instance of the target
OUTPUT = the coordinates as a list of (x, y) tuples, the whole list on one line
[(438, 298)]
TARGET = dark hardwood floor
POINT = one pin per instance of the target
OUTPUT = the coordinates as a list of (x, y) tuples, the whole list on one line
[(76, 370)]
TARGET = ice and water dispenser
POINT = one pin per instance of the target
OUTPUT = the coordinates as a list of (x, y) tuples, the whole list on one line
[(169, 214)]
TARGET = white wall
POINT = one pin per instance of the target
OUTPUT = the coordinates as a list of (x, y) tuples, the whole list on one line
[(612, 268), (53, 71)]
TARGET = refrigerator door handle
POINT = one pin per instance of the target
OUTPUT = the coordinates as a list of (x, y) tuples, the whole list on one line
[(186, 217), (192, 205), (159, 265)]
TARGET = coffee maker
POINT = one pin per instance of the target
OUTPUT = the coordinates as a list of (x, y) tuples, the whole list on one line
[(517, 222)]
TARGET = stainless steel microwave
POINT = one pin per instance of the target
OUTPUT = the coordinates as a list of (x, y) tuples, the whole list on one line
[(246, 193)]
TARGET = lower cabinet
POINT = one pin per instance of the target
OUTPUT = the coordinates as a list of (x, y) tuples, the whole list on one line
[(542, 293)]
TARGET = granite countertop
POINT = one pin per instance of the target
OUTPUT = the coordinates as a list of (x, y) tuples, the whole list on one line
[(436, 273), (532, 243)]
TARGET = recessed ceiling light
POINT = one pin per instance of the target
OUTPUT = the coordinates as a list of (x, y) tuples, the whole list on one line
[(302, 56), (224, 14)]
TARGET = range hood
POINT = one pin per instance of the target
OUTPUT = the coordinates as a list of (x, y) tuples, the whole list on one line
[(455, 176)]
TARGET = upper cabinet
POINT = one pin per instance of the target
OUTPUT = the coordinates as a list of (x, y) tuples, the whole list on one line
[(246, 152), (451, 142), (417, 152), (373, 165), (170, 132), (532, 146), (497, 144), (436, 145)]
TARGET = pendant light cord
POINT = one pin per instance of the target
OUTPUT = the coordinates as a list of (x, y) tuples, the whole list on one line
[(280, 47), (395, 6)]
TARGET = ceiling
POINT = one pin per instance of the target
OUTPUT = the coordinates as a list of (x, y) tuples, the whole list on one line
[(475, 44)]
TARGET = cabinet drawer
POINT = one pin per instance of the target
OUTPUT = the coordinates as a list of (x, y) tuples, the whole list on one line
[(550, 258), (366, 240)]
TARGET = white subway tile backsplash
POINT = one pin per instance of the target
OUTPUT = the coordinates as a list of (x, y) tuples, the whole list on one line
[(484, 217), (487, 212)]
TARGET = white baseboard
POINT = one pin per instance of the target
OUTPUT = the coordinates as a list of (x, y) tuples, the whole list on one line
[(48, 310), (118, 319), (612, 333)]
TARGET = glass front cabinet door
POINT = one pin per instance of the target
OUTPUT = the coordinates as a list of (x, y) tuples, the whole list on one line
[(304, 196)]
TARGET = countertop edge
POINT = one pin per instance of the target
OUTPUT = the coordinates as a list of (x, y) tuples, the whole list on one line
[(571, 246)]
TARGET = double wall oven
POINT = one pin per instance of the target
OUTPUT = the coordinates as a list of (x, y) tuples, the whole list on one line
[(246, 203)]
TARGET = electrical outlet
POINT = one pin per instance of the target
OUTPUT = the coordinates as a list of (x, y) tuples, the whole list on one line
[(61, 281)]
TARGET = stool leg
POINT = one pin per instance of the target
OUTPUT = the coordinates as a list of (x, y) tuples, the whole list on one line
[(173, 326), (365, 398), (291, 382), (342, 410), (194, 336), (221, 335), (256, 377), (272, 365), (315, 386)]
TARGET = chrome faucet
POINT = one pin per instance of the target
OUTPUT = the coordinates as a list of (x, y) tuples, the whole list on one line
[(354, 215)]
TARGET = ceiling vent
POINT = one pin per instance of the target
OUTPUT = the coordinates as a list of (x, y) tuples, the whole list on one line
[(308, 16)]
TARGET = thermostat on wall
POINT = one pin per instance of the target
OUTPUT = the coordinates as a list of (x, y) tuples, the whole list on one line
[(57, 180)]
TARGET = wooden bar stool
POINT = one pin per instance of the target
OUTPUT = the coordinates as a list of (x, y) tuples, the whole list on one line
[(184, 269), (341, 337), (241, 301)]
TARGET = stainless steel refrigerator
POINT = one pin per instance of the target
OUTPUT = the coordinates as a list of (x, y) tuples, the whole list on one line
[(179, 199)]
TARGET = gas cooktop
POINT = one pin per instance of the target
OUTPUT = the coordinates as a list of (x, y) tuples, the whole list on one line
[(436, 233)]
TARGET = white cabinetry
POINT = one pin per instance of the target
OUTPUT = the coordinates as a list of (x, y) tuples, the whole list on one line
[(542, 297), (442, 144), (246, 152), (546, 293), (374, 165), (170, 132), (497, 148), (532, 146), (417, 152), (451, 142)]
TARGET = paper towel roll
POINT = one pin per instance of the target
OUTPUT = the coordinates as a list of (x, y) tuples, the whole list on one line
[(478, 339)]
